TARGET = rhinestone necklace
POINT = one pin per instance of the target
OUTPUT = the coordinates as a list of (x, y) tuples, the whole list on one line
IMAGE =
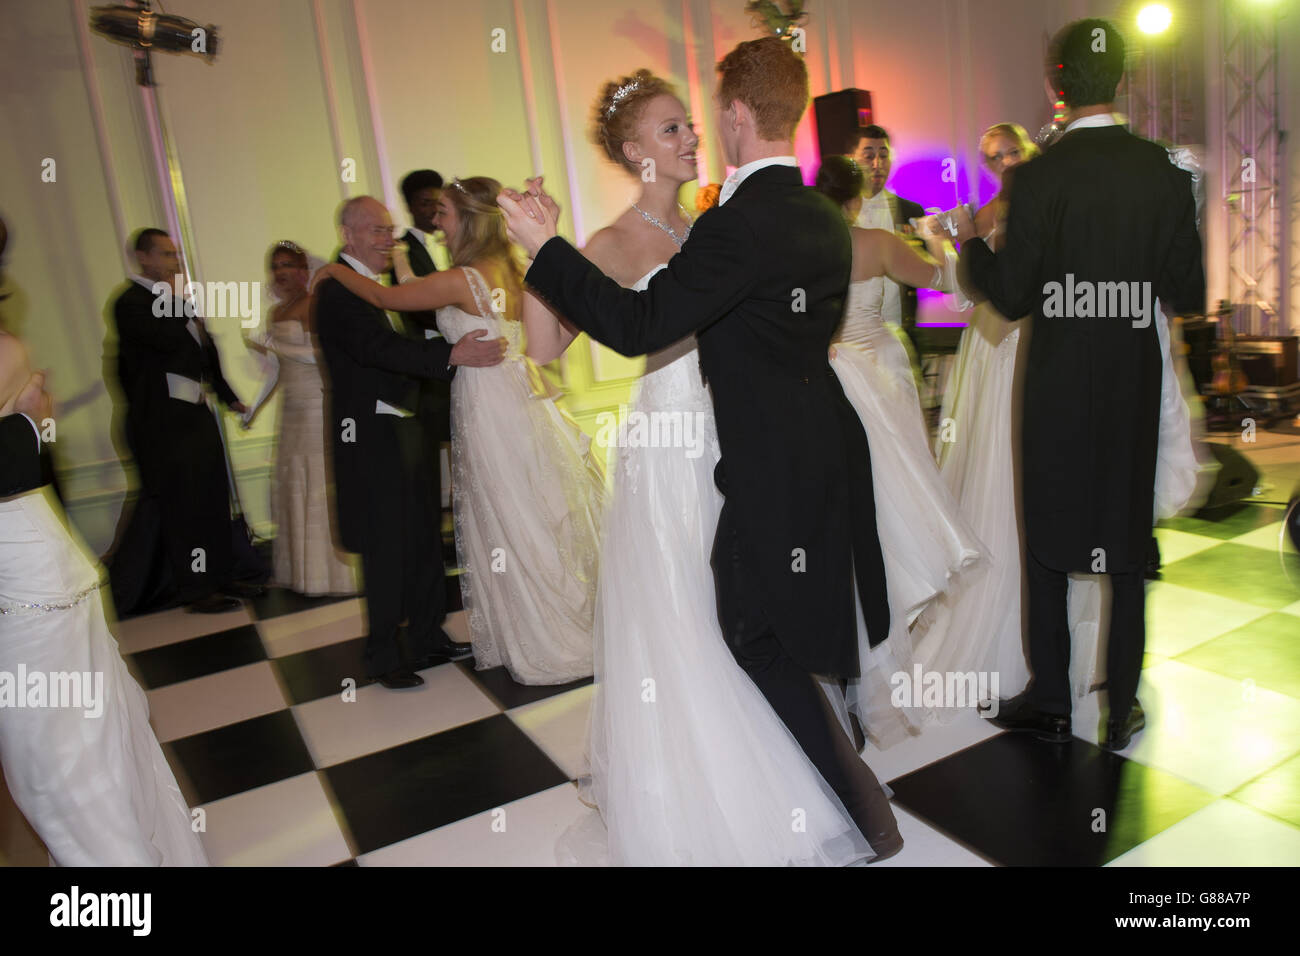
[(672, 234)]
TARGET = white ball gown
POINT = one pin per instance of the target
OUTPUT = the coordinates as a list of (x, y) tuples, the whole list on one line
[(95, 787), (689, 763), (304, 557), (926, 542), (977, 626), (527, 497)]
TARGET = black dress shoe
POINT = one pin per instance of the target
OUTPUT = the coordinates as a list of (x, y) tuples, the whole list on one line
[(445, 649), (214, 604), (400, 679), (1119, 733), (1019, 717)]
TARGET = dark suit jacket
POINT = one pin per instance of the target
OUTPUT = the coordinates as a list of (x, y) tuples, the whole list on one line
[(421, 265), (20, 458), (367, 362), (149, 347), (1101, 206), (435, 395), (763, 281)]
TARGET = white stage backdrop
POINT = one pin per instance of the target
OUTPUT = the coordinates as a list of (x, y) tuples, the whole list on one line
[(302, 91)]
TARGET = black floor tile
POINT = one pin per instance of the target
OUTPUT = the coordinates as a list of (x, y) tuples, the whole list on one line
[(198, 656), (279, 601), (408, 790), (498, 682), (320, 672), (1021, 802), (238, 757), (1226, 522)]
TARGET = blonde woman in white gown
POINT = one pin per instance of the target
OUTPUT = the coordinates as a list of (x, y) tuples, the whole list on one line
[(689, 764), (303, 556), (527, 492), (90, 778)]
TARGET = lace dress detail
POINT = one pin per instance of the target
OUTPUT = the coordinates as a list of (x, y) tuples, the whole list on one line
[(527, 495)]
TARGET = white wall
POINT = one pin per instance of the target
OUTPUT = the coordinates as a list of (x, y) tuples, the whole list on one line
[(299, 86)]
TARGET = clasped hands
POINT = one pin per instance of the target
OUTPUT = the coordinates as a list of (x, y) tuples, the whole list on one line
[(530, 216)]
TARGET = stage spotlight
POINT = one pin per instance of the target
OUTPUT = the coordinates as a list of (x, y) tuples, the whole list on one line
[(1154, 18)]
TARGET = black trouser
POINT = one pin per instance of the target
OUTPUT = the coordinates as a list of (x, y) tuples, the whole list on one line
[(401, 552), (794, 694), (183, 469), (1049, 638)]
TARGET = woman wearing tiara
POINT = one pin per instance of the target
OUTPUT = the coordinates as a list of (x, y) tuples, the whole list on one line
[(527, 494), (689, 763), (303, 555), (925, 542), (82, 764)]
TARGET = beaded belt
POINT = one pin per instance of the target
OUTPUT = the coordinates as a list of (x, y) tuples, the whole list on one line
[(76, 599)]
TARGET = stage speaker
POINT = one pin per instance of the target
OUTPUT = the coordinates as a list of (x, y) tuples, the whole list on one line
[(1268, 360), (1236, 479), (837, 115)]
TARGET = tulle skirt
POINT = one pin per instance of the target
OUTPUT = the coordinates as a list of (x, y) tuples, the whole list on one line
[(689, 763)]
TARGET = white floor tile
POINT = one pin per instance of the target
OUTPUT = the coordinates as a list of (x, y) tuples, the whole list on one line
[(169, 627), (1212, 731), (1226, 833), (313, 628), (1176, 545), (936, 741), (1180, 618), (522, 833), (215, 700), (336, 730), (1271, 538), (559, 726), (923, 845), (288, 823)]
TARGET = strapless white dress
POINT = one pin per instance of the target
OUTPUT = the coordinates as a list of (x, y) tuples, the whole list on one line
[(90, 778), (527, 500), (689, 763)]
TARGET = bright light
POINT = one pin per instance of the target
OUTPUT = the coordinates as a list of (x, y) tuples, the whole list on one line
[(1154, 18)]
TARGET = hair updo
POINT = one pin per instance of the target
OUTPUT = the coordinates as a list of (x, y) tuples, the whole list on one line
[(618, 110), (840, 178)]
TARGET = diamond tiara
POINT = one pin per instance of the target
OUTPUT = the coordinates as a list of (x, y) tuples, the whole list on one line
[(620, 94)]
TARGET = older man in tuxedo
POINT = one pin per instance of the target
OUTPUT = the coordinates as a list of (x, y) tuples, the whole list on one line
[(382, 471)]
